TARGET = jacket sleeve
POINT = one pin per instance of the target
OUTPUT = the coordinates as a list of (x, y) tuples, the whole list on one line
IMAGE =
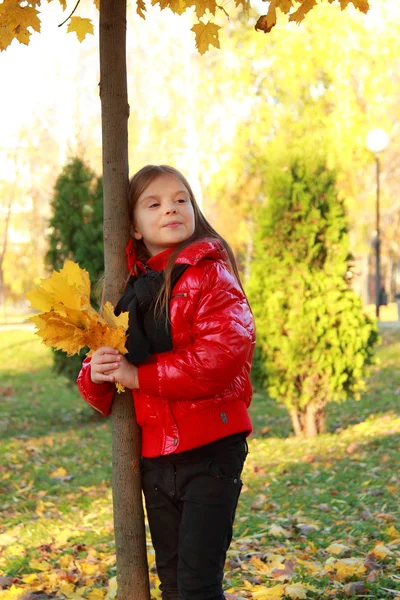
[(223, 332), (98, 395)]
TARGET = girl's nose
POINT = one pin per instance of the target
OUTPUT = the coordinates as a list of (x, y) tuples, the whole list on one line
[(171, 209)]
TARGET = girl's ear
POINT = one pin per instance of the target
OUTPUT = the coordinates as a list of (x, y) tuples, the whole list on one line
[(135, 233)]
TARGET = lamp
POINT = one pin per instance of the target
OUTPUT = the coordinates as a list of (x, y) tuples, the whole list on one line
[(377, 141)]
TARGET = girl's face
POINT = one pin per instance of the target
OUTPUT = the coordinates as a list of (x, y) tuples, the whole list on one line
[(163, 216)]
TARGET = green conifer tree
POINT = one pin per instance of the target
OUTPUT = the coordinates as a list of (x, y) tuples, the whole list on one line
[(76, 234), (314, 341)]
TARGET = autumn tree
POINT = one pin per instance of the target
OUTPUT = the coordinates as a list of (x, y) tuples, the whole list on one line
[(77, 234), (17, 18), (314, 340)]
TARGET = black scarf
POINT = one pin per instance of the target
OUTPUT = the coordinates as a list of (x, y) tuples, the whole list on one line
[(147, 333)]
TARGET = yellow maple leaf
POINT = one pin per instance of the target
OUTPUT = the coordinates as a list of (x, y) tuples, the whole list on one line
[(206, 35), (60, 472), (82, 27), (66, 588), (273, 593), (141, 8), (69, 323), (68, 288), (381, 551), (96, 594), (266, 22), (15, 21), (55, 332), (303, 9), (112, 320), (100, 334), (392, 532), (336, 548), (244, 3), (278, 530), (348, 567), (296, 591), (112, 589), (284, 5), (87, 568), (201, 7), (30, 578), (40, 565), (177, 6), (362, 5), (97, 4)]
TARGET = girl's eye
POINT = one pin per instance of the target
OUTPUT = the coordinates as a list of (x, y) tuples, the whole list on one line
[(182, 200), (154, 204)]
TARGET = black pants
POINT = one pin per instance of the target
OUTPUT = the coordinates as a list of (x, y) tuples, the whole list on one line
[(191, 500)]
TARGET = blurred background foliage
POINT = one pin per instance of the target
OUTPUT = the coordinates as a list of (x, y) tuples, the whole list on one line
[(232, 121)]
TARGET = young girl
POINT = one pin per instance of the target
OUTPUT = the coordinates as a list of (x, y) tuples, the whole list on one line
[(190, 345)]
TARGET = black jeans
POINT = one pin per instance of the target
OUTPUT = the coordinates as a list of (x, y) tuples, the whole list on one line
[(191, 500)]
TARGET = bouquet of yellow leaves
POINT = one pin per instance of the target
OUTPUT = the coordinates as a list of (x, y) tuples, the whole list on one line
[(68, 322)]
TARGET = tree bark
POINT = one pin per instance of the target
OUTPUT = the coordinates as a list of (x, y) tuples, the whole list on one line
[(296, 422), (309, 422), (130, 539)]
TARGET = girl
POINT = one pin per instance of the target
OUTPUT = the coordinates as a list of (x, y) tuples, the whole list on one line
[(190, 345)]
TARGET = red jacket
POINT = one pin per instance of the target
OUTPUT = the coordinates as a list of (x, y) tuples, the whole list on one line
[(200, 390)]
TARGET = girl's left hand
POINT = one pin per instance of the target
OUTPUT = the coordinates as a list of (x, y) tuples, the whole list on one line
[(126, 374)]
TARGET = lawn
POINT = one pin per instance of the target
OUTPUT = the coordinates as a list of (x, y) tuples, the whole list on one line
[(317, 519)]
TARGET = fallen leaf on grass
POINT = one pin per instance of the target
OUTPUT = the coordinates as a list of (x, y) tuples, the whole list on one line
[(337, 549), (6, 582), (60, 472), (288, 572), (112, 589), (40, 565), (356, 588), (278, 531), (296, 591), (344, 568), (381, 551)]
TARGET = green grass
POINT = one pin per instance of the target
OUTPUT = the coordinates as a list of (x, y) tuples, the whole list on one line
[(299, 496)]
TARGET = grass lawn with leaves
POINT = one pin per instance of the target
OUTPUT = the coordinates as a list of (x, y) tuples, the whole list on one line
[(316, 519)]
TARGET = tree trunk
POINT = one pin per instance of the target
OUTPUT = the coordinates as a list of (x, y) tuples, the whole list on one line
[(295, 416), (130, 540), (309, 422)]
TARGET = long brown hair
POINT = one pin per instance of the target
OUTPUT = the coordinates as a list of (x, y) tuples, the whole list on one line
[(202, 228)]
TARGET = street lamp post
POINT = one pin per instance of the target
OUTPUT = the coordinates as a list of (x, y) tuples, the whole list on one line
[(377, 141)]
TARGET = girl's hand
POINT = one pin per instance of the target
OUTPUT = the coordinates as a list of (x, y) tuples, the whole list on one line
[(125, 373), (104, 361)]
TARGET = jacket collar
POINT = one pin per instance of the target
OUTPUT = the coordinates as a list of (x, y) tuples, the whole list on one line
[(205, 248)]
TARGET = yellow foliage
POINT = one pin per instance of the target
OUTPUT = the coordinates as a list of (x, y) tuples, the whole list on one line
[(206, 35), (336, 548), (381, 551), (13, 593), (68, 322), (296, 591), (16, 20), (112, 589), (66, 289), (60, 472), (96, 594), (88, 568), (345, 568), (40, 565), (82, 27), (392, 532)]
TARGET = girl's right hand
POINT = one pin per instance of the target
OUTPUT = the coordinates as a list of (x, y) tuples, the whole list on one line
[(104, 361)]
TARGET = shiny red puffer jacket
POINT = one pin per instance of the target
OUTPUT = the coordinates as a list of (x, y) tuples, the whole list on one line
[(200, 390)]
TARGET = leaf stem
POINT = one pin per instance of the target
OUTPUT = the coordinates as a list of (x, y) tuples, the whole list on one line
[(67, 19)]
